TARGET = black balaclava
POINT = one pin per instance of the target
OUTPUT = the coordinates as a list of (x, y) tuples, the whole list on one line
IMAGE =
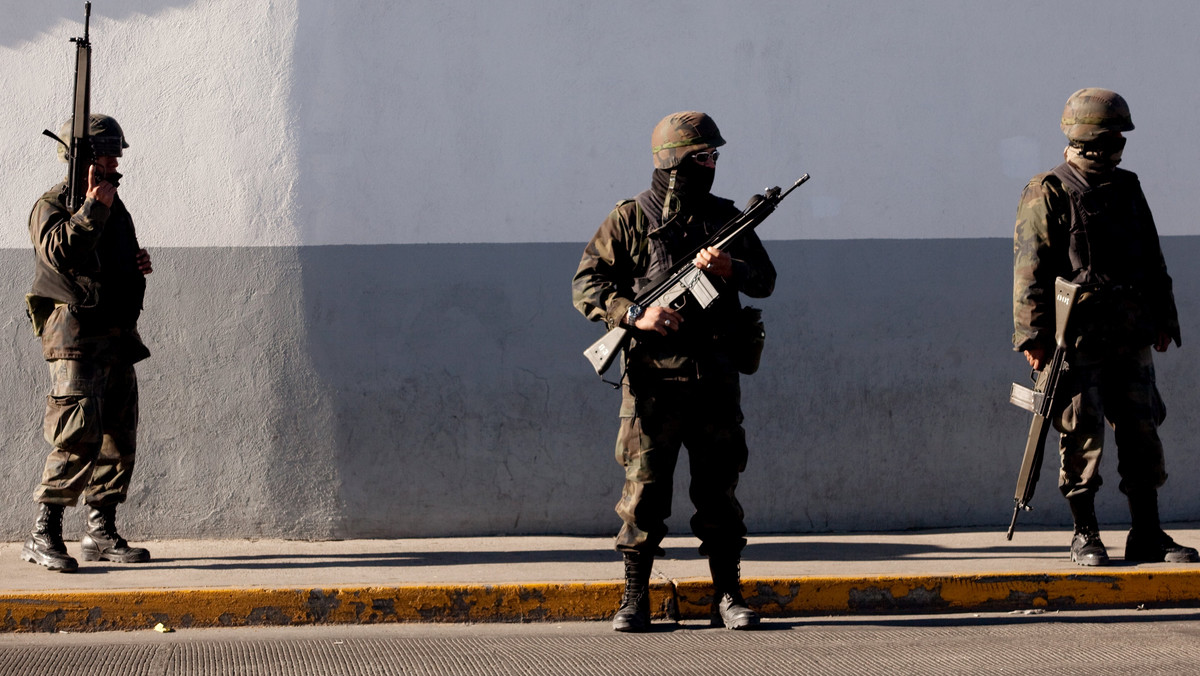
[(693, 182)]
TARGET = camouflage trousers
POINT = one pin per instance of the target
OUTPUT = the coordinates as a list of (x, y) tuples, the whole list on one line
[(657, 418), (91, 421), (1117, 386)]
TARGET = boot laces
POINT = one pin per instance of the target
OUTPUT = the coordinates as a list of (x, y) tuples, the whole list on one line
[(636, 584), (106, 526)]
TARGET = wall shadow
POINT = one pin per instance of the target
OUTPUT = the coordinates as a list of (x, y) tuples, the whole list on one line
[(29, 21)]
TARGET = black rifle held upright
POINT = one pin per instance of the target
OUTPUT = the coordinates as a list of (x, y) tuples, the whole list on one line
[(685, 280), (1043, 401), (79, 150)]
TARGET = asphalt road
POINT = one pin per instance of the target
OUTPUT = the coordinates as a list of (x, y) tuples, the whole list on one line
[(1086, 642)]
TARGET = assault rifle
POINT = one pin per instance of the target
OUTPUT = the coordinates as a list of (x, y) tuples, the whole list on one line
[(80, 155), (1043, 400), (673, 287)]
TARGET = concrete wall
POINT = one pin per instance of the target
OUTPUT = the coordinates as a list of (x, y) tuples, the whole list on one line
[(421, 390), (307, 122), (364, 217)]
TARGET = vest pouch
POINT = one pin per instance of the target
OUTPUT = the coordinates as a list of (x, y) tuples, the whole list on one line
[(38, 309), (749, 336)]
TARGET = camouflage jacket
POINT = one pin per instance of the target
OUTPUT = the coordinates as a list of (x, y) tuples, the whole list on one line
[(1050, 241), (87, 289), (616, 262)]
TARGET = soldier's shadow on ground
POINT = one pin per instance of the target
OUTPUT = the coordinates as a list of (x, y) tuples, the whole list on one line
[(378, 560), (886, 551), (889, 551), (765, 624), (798, 552)]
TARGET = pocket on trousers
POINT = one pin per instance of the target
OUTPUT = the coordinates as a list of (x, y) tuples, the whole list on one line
[(71, 420), (629, 442)]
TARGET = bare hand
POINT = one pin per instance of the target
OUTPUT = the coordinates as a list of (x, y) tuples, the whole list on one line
[(1163, 342), (143, 262), (100, 190), (715, 261), (660, 319), (1036, 356)]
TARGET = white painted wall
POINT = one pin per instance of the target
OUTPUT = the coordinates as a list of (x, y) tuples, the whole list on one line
[(203, 92), (368, 122)]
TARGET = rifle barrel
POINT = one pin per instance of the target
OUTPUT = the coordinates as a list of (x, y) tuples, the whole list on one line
[(795, 185)]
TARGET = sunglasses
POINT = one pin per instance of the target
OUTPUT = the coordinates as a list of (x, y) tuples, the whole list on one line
[(707, 155)]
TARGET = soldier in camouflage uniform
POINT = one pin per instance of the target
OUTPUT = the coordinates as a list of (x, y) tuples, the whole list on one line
[(88, 286), (1088, 222), (680, 386)]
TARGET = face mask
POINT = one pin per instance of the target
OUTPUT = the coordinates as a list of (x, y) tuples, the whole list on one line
[(1099, 156), (694, 179)]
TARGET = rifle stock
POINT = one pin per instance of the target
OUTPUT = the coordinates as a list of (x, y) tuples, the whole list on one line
[(602, 352)]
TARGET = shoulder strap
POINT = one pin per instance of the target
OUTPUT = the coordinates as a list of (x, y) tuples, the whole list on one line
[(1079, 250)]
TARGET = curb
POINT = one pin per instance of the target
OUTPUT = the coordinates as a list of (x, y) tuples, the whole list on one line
[(557, 602)]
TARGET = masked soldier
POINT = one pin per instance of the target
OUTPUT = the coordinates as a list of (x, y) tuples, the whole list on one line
[(88, 286), (680, 385), (1088, 222)]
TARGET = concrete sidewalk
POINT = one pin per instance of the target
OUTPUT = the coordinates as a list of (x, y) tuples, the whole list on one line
[(194, 583)]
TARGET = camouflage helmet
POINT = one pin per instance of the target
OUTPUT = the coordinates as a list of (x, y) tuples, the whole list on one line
[(1091, 112), (680, 134), (108, 140)]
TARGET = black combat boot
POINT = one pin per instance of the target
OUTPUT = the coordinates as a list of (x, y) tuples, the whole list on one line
[(729, 607), (45, 545), (634, 613), (1147, 543), (1086, 547), (101, 541)]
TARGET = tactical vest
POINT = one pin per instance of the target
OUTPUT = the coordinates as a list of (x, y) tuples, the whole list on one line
[(104, 292), (75, 288), (665, 242), (1107, 230), (699, 347), (1110, 242)]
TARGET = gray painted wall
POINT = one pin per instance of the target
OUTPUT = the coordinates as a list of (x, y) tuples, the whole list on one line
[(425, 390)]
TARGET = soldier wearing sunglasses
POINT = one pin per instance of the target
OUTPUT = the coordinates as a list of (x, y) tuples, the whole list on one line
[(680, 386), (88, 287)]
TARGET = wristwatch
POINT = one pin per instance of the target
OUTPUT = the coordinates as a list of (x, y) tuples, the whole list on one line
[(633, 314)]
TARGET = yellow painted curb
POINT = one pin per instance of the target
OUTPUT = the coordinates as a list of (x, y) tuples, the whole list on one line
[(994, 592), (140, 609), (688, 599)]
